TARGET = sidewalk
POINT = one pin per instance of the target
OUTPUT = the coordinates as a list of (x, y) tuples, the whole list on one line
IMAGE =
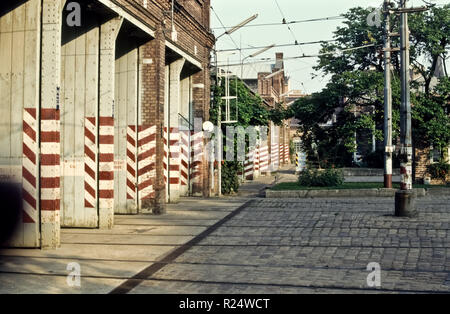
[(110, 257)]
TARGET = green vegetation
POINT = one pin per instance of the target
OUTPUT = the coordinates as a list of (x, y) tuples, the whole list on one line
[(439, 170), (357, 84), (321, 178), (252, 112), (230, 180), (294, 186)]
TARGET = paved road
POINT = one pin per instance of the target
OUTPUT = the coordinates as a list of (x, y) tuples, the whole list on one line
[(320, 245), (269, 246), (107, 258)]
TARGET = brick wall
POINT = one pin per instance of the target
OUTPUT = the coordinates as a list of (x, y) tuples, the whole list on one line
[(152, 102), (191, 20), (191, 23)]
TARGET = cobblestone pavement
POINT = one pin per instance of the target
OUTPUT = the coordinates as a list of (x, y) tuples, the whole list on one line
[(316, 245)]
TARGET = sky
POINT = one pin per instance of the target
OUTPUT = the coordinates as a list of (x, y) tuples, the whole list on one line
[(232, 12)]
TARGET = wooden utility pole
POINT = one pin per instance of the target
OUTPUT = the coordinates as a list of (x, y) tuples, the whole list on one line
[(405, 198)]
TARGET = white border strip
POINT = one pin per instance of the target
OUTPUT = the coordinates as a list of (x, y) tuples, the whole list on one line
[(129, 17), (184, 55)]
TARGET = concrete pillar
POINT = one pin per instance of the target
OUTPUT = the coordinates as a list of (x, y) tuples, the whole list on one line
[(172, 124), (50, 124), (108, 35), (79, 121), (127, 130), (20, 32), (185, 134)]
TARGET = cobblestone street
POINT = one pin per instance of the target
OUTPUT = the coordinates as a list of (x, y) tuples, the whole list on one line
[(316, 245)]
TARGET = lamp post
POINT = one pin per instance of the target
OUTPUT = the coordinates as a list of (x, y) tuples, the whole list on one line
[(252, 56), (219, 117)]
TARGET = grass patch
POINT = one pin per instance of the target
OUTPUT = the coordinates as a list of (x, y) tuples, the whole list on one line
[(294, 186)]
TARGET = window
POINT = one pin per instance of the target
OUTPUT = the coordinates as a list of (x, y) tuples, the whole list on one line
[(436, 155)]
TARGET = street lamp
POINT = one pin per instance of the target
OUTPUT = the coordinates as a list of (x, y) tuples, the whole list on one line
[(240, 25), (254, 55), (219, 118)]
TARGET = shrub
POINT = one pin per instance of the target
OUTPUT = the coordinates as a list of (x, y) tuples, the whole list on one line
[(230, 179), (439, 170), (321, 178)]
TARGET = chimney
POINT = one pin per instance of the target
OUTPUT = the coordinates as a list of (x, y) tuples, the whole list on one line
[(279, 56), (279, 63)]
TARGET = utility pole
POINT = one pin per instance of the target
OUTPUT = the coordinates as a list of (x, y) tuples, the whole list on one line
[(387, 98), (405, 198), (219, 118)]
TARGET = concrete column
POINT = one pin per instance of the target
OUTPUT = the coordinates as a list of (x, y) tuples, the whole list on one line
[(50, 125), (108, 35), (79, 117), (20, 42), (185, 137), (172, 120), (127, 131)]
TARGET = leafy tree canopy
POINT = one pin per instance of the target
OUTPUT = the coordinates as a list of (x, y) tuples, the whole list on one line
[(357, 84)]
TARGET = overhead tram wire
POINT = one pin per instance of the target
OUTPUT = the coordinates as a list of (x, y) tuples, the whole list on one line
[(288, 27), (331, 18), (282, 45), (266, 60), (225, 28)]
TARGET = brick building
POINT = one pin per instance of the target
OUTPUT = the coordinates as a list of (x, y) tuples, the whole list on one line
[(98, 103), (274, 88)]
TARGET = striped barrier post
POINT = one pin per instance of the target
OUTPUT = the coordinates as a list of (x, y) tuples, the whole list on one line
[(131, 163), (146, 161), (197, 161), (90, 163), (184, 162), (30, 173), (286, 153), (50, 178), (264, 159), (106, 172), (249, 165), (256, 162), (274, 157)]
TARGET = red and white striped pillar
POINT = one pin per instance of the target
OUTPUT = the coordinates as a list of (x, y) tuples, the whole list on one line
[(90, 163), (146, 163), (50, 177), (256, 162), (108, 35), (184, 162), (286, 153), (50, 80), (30, 173), (174, 165), (131, 164), (249, 165), (197, 160), (274, 148), (106, 172), (264, 158)]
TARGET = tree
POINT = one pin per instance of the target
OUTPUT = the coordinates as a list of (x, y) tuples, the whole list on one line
[(250, 111), (356, 85)]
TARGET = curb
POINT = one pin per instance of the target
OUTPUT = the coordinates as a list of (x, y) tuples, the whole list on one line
[(348, 193)]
